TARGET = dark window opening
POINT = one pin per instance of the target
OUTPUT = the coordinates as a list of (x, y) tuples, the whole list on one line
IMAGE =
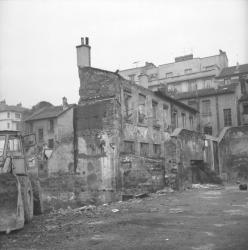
[(183, 120), (156, 149), (227, 117), (51, 143), (128, 106), (40, 134), (245, 109), (155, 112), (144, 149), (208, 130), (142, 109)]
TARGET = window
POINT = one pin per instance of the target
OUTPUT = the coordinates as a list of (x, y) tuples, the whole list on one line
[(245, 108), (51, 125), (227, 117), (192, 86), (191, 122), (169, 74), (8, 125), (208, 130), (40, 134), (187, 71), (207, 83), (144, 149), (129, 147), (174, 121), (18, 115), (8, 114), (210, 67), (50, 143), (183, 120), (132, 77), (156, 149), (165, 116), (14, 145), (206, 109), (141, 109), (128, 112), (154, 112)]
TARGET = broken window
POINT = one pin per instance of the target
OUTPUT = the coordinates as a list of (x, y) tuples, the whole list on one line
[(144, 149), (183, 120), (227, 117), (165, 116), (156, 149), (155, 112), (174, 120), (142, 109), (191, 122), (129, 147), (128, 106)]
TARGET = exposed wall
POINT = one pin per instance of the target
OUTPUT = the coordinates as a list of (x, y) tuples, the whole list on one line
[(233, 153), (183, 148)]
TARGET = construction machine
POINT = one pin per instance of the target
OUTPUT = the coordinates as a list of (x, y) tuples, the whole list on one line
[(20, 192)]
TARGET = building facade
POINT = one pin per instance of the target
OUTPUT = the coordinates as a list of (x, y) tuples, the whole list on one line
[(51, 124), (11, 116), (184, 75)]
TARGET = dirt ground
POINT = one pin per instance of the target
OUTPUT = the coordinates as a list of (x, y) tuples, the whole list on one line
[(198, 219)]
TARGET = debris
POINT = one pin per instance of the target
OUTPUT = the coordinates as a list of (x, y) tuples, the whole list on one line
[(243, 187), (205, 186), (126, 197), (105, 204), (115, 210), (165, 190), (141, 196)]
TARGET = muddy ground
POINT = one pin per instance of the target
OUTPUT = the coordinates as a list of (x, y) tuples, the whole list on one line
[(199, 219)]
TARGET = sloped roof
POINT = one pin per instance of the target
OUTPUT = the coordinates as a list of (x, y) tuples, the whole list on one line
[(226, 89), (161, 94), (48, 112), (230, 71), (4, 107)]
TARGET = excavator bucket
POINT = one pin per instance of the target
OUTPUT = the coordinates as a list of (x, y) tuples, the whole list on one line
[(11, 205)]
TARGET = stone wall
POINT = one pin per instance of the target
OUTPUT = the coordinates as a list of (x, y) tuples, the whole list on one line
[(233, 153)]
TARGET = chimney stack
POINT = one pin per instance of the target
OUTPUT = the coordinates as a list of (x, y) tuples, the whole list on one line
[(83, 53), (65, 103)]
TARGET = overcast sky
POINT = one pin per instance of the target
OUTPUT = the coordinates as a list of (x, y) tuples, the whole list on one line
[(38, 39)]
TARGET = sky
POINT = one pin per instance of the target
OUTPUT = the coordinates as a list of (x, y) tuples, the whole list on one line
[(38, 39)]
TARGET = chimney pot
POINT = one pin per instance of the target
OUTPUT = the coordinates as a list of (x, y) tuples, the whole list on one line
[(87, 40), (82, 40)]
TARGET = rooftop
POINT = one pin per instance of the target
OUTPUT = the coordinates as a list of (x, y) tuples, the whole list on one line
[(48, 113), (234, 70), (226, 89), (14, 108)]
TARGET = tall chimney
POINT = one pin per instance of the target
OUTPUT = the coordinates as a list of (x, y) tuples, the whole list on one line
[(83, 53)]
